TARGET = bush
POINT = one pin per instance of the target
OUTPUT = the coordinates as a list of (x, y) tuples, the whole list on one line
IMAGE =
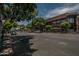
[(8, 24), (48, 27), (29, 26), (65, 25)]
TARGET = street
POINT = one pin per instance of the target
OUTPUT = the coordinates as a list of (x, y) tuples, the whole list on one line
[(55, 44)]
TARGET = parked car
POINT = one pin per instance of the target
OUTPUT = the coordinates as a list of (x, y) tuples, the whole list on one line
[(13, 33)]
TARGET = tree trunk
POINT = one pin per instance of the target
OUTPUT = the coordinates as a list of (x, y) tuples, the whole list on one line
[(5, 42), (0, 35)]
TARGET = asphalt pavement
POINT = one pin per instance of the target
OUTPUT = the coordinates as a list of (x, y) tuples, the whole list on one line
[(54, 44)]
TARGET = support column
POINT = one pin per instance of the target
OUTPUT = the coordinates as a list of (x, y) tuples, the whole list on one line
[(77, 24)]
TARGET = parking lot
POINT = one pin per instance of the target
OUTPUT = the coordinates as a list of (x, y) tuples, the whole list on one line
[(55, 44)]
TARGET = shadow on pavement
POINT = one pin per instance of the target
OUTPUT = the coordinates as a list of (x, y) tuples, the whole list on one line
[(22, 46)]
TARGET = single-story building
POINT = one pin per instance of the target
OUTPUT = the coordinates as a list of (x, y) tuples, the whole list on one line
[(72, 18)]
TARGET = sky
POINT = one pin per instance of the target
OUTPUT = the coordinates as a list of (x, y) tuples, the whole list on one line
[(44, 8), (48, 10)]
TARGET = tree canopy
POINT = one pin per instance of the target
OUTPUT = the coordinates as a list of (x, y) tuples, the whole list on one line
[(38, 21), (41, 24), (18, 11), (65, 25), (49, 27), (8, 24)]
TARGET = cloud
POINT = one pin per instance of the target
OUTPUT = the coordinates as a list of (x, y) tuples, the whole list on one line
[(60, 10)]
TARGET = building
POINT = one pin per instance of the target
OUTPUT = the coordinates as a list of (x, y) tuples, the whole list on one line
[(72, 18)]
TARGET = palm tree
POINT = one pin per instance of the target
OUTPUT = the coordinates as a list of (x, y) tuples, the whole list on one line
[(16, 12)]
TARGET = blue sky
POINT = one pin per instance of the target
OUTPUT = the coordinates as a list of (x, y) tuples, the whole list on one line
[(48, 10), (44, 7)]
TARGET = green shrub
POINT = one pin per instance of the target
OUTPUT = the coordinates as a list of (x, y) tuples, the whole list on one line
[(49, 27), (29, 26), (65, 25)]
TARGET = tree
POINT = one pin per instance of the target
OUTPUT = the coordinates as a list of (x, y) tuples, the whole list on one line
[(65, 25), (29, 26), (8, 24), (49, 27), (38, 23), (16, 12)]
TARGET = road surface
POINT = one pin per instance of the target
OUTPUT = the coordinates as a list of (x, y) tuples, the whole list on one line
[(54, 44)]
